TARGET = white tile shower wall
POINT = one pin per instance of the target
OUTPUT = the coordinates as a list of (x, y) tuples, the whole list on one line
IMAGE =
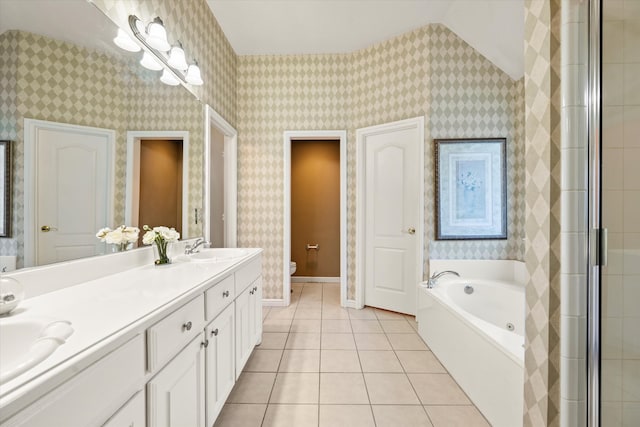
[(573, 315), (621, 210)]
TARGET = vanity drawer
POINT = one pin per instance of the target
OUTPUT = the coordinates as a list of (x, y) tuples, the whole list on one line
[(167, 337), (219, 296), (248, 274)]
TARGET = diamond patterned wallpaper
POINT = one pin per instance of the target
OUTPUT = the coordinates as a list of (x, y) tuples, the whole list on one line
[(542, 257), (429, 72), (61, 82)]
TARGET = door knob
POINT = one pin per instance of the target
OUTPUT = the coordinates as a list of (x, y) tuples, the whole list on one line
[(411, 230), (46, 228)]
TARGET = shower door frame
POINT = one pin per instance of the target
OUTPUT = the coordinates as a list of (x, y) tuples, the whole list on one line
[(597, 238)]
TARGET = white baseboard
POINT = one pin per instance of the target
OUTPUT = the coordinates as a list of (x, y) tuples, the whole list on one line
[(351, 303), (273, 303), (308, 279)]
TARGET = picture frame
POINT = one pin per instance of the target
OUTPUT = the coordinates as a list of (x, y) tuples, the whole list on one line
[(471, 188), (5, 188)]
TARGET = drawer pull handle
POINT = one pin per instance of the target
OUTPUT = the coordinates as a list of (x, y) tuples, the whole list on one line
[(187, 326), (225, 294), (204, 344), (215, 332)]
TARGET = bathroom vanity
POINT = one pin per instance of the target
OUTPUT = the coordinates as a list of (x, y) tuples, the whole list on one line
[(151, 346)]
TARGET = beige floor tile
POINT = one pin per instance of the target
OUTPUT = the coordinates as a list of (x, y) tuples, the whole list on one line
[(343, 389), (281, 312), (372, 342), (456, 416), (388, 315), (390, 389), (365, 313), (300, 361), (346, 416), (241, 415), (297, 286), (252, 387), (308, 313), (276, 325), (309, 298), (337, 342), (366, 326), (420, 362), (303, 341), (294, 387), (336, 326), (309, 305), (339, 361), (291, 415), (273, 340), (438, 389), (407, 342), (397, 327), (305, 325), (263, 361), (265, 311), (379, 361), (334, 313), (400, 415)]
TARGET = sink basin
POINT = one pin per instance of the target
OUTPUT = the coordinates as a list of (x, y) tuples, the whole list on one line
[(24, 343), (218, 254)]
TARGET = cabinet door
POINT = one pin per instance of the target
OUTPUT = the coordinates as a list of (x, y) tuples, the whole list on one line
[(132, 414), (220, 355), (255, 312), (243, 330), (176, 395)]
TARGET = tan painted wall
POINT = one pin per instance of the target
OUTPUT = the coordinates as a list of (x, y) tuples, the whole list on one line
[(315, 207)]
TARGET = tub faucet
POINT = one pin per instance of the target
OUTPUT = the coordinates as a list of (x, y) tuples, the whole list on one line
[(434, 278), (191, 249)]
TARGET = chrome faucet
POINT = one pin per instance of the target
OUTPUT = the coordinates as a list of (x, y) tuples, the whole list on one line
[(192, 249), (434, 278)]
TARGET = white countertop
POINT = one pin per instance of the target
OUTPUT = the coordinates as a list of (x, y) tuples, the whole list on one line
[(105, 313)]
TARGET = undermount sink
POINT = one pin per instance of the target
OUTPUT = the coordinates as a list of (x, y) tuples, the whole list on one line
[(218, 254), (24, 343)]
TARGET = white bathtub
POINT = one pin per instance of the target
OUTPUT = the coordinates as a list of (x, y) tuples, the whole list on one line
[(470, 334)]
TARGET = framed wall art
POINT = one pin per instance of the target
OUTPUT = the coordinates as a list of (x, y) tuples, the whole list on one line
[(471, 189)]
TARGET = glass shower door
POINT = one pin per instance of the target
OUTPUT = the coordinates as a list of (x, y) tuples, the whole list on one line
[(620, 214)]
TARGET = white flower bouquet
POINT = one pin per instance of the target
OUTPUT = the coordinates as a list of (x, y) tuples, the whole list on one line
[(160, 236), (122, 238)]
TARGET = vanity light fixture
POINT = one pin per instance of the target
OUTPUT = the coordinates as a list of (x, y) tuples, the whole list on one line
[(123, 41), (168, 78), (156, 35), (171, 59), (193, 76), (150, 63), (177, 59)]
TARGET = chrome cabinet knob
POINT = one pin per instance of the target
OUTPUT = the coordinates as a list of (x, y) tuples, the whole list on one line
[(215, 332), (204, 344), (187, 326), (225, 294)]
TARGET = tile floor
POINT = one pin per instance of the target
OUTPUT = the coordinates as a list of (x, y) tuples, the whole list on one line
[(325, 366)]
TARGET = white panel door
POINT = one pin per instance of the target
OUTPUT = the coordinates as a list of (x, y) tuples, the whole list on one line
[(392, 195), (243, 330), (220, 352), (72, 187)]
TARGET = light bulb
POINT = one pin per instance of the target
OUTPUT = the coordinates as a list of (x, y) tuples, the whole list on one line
[(157, 36), (177, 59), (123, 41), (169, 79), (150, 63), (193, 75)]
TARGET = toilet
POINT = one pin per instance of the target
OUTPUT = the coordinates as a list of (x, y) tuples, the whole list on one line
[(292, 267)]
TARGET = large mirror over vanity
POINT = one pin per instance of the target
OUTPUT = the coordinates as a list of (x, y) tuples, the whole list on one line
[(70, 90)]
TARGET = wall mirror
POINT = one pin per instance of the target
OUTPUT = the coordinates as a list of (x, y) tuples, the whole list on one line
[(67, 71)]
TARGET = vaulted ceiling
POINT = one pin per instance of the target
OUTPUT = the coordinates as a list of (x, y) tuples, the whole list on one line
[(495, 28)]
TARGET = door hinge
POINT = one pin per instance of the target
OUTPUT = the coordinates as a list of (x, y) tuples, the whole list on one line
[(599, 247)]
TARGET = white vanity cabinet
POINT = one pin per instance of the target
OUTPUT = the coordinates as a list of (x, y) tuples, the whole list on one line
[(180, 375), (220, 362), (176, 396)]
